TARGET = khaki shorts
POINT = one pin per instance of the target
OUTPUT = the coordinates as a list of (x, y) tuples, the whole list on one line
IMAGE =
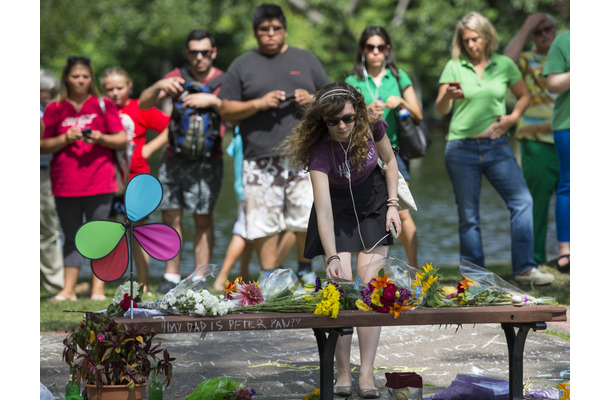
[(276, 197)]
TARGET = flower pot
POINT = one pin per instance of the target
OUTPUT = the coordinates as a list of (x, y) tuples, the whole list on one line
[(116, 392)]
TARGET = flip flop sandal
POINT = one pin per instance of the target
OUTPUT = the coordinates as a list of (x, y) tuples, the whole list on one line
[(554, 263), (57, 299)]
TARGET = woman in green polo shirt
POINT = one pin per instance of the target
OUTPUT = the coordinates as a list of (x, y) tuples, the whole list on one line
[(474, 83), (376, 76)]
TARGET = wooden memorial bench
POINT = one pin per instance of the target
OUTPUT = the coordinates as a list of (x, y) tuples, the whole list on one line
[(515, 321)]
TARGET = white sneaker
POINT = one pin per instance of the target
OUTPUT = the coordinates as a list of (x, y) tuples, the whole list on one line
[(536, 277)]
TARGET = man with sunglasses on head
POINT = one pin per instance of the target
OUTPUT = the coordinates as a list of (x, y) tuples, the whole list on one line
[(539, 161), (263, 91), (191, 185)]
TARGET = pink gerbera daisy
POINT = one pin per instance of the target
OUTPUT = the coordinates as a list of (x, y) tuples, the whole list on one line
[(249, 294)]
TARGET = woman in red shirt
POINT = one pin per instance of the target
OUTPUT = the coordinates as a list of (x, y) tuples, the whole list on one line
[(81, 130)]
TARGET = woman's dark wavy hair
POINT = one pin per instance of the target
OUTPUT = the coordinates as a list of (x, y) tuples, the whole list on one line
[(360, 62), (312, 128)]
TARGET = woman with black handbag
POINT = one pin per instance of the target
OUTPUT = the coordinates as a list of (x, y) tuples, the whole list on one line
[(387, 90)]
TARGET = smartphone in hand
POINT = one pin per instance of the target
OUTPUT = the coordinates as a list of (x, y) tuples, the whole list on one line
[(456, 85), (86, 132)]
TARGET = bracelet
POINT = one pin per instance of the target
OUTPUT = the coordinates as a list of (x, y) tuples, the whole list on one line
[(335, 257), (393, 199), (393, 205)]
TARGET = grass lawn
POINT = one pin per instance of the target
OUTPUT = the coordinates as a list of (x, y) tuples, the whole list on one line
[(54, 318)]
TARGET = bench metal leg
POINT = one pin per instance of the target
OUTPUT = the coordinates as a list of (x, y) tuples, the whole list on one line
[(516, 345), (326, 349)]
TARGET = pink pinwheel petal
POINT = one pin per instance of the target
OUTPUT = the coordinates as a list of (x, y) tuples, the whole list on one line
[(114, 265), (160, 241)]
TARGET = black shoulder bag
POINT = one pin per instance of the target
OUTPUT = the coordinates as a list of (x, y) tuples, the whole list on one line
[(413, 138)]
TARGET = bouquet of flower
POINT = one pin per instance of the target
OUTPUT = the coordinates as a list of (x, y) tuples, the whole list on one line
[(191, 297), (244, 294), (322, 302), (122, 298), (428, 290), (482, 287), (382, 295)]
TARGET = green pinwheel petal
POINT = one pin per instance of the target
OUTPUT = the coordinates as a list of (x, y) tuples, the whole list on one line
[(96, 239)]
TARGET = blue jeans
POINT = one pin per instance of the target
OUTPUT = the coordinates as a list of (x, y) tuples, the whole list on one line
[(467, 160), (562, 201)]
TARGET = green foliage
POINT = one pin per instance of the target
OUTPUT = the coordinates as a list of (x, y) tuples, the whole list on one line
[(103, 352), (147, 37)]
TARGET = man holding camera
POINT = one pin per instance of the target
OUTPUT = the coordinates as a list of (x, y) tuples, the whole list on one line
[(188, 184), (262, 90)]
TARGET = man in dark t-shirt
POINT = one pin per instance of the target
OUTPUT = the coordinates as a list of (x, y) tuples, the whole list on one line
[(262, 91)]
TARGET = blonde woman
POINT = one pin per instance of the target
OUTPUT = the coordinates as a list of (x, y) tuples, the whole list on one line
[(473, 85)]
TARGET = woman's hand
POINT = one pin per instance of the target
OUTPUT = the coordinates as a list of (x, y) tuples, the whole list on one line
[(333, 268), (377, 107), (392, 217), (393, 102), (95, 137), (73, 134), (501, 126)]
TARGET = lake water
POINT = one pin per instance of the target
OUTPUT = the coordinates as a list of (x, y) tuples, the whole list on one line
[(436, 220)]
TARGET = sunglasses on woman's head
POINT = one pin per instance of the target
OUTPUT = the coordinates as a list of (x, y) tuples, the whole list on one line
[(72, 60), (371, 48), (334, 121)]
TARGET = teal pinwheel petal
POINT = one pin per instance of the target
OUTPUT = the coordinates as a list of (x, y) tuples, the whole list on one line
[(96, 239), (142, 196)]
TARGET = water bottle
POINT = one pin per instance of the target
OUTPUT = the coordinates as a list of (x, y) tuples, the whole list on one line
[(72, 388), (155, 390)]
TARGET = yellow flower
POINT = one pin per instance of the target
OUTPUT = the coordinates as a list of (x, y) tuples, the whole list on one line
[(329, 305), (376, 298), (362, 306), (315, 395)]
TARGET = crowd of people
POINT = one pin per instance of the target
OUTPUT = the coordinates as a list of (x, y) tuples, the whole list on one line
[(306, 155)]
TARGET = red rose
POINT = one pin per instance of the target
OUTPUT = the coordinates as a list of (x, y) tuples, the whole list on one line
[(126, 302), (389, 295)]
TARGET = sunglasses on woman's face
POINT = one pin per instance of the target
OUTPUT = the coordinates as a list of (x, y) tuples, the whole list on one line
[(371, 48), (334, 121)]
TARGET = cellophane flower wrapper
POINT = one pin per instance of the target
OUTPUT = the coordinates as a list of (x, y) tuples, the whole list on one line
[(282, 283), (215, 389), (284, 293), (490, 289), (479, 384), (191, 297)]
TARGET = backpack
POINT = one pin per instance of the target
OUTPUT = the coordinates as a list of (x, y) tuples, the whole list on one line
[(194, 133)]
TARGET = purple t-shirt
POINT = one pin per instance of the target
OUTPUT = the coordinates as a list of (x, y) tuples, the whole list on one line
[(328, 156)]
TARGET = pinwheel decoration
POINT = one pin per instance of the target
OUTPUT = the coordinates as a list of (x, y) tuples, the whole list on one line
[(109, 244)]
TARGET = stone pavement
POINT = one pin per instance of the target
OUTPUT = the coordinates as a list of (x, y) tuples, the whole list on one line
[(285, 365)]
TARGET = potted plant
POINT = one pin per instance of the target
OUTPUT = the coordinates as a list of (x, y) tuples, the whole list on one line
[(106, 355)]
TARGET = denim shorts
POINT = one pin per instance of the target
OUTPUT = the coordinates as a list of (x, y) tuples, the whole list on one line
[(189, 184), (403, 167)]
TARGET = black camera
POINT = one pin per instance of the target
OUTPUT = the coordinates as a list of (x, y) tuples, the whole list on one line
[(86, 132)]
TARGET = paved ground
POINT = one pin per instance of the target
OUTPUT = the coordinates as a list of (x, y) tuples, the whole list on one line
[(284, 364)]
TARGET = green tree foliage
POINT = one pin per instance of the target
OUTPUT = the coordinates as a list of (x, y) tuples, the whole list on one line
[(146, 37)]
